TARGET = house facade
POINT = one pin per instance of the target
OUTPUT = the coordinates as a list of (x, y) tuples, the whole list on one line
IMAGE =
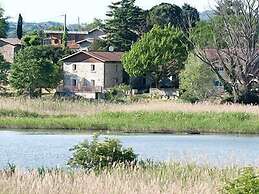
[(77, 40), (9, 47), (89, 73)]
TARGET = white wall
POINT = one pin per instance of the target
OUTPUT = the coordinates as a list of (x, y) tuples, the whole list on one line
[(83, 73)]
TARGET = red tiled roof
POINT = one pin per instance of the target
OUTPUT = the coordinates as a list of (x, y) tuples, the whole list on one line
[(100, 56), (106, 56)]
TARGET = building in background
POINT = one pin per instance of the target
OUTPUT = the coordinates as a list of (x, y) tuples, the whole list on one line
[(88, 74), (77, 40), (9, 47)]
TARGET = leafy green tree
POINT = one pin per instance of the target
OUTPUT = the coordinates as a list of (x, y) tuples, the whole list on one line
[(196, 80), (4, 70), (19, 27), (34, 38), (164, 14), (190, 16), (160, 53), (125, 24), (3, 24), (33, 69), (203, 34), (31, 39)]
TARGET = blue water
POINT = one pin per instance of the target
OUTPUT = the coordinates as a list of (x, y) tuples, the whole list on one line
[(29, 149)]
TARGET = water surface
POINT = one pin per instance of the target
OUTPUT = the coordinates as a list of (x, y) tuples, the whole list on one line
[(29, 149)]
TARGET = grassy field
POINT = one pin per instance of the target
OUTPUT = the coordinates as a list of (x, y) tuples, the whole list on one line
[(165, 178), (155, 116)]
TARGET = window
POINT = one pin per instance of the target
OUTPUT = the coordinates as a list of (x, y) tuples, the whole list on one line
[(56, 41), (93, 82), (92, 67), (74, 82), (74, 67)]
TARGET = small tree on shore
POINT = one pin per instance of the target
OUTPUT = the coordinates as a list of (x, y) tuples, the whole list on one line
[(160, 53), (33, 70)]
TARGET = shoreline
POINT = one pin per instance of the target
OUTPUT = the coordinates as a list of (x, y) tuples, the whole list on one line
[(139, 122)]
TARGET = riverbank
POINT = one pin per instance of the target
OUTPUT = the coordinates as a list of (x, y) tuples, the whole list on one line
[(144, 117), (163, 178), (137, 122)]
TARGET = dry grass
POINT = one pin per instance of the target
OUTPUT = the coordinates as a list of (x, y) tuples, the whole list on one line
[(173, 179), (82, 108)]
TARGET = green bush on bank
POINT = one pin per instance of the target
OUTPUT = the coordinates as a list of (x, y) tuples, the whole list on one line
[(97, 155), (246, 183)]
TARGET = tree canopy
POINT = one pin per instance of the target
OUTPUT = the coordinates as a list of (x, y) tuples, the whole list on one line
[(160, 53), (124, 25), (165, 13), (196, 80), (3, 24), (34, 68)]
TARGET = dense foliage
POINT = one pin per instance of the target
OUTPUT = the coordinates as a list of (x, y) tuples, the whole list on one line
[(3, 24), (35, 68), (165, 13), (160, 53), (4, 69), (124, 24), (196, 80), (97, 155), (247, 183)]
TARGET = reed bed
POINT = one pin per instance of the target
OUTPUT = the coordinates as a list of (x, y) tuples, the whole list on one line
[(84, 108), (163, 179)]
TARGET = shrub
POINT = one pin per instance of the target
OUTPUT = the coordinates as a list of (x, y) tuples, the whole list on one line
[(118, 93), (247, 183), (196, 81), (97, 155)]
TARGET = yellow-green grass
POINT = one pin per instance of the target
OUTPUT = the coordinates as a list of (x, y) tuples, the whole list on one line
[(163, 179), (151, 122)]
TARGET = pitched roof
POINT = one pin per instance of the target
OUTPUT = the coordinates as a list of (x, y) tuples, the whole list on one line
[(101, 56), (12, 41), (61, 32), (107, 56), (85, 40)]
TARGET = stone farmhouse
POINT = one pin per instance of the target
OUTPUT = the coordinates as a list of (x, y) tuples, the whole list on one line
[(90, 74), (77, 40), (9, 47)]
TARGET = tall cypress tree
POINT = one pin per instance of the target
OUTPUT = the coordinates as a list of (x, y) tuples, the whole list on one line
[(19, 27), (125, 24)]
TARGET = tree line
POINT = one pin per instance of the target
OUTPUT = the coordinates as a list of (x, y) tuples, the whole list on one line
[(169, 41)]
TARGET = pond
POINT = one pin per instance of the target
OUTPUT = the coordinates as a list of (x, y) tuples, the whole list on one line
[(31, 149)]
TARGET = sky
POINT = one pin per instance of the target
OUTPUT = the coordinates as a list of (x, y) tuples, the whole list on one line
[(86, 10)]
